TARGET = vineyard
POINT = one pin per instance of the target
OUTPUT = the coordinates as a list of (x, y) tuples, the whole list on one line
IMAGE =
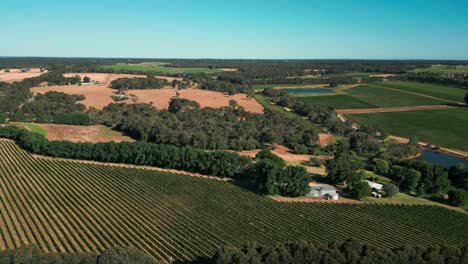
[(69, 206)]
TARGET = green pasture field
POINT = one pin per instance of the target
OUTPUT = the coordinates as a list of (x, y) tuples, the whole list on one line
[(72, 206), (381, 97), (339, 101), (156, 67), (443, 127), (33, 127), (279, 85), (445, 92)]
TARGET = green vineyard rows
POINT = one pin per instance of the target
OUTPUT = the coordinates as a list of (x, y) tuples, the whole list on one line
[(70, 206)]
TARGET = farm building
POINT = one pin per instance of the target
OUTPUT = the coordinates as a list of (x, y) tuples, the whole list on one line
[(377, 187), (322, 191)]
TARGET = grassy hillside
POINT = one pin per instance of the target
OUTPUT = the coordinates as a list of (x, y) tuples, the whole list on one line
[(444, 127), (445, 92), (157, 67), (69, 206)]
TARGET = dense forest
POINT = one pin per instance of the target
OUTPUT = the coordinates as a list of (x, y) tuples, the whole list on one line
[(208, 128)]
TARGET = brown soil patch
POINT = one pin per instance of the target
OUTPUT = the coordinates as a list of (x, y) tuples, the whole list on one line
[(229, 69), (16, 74), (305, 199), (161, 97), (326, 139), (97, 96), (391, 109), (316, 170), (92, 134)]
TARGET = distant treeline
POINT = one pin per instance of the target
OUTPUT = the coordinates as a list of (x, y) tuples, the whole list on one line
[(350, 251), (139, 83), (456, 80)]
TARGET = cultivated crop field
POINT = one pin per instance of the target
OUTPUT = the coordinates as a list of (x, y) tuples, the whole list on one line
[(445, 92), (381, 97), (339, 101), (443, 127), (69, 206), (158, 67)]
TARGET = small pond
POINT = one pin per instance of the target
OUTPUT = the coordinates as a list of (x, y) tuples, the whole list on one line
[(309, 91), (441, 158)]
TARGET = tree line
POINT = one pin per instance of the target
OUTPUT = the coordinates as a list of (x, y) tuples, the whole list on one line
[(139, 83), (349, 251), (33, 254), (456, 80), (289, 180)]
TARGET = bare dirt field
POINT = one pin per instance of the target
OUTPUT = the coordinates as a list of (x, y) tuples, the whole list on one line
[(382, 75), (92, 134), (161, 97), (97, 96), (107, 78), (16, 74), (326, 139), (229, 69), (391, 109)]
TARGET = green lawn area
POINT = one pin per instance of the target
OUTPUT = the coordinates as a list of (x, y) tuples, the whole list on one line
[(157, 67), (381, 97), (339, 101), (443, 127), (444, 69), (445, 92), (33, 127)]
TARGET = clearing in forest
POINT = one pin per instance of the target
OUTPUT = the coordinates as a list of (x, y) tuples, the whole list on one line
[(157, 67), (92, 134)]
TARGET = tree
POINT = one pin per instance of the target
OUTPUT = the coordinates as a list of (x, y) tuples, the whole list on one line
[(458, 197), (390, 189), (358, 188), (86, 79), (344, 166), (266, 154), (380, 166), (466, 98), (294, 181)]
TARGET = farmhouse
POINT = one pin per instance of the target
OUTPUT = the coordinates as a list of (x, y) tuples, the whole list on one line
[(326, 191), (376, 189)]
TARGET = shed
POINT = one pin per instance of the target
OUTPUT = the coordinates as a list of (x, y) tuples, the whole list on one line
[(375, 186), (322, 191)]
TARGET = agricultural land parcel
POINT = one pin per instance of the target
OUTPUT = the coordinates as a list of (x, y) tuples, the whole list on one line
[(447, 69), (155, 67), (77, 206)]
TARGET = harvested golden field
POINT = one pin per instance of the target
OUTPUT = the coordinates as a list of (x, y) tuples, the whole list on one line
[(16, 74), (97, 96), (161, 97)]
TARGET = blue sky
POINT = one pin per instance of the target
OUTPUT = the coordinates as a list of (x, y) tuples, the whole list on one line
[(261, 29)]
